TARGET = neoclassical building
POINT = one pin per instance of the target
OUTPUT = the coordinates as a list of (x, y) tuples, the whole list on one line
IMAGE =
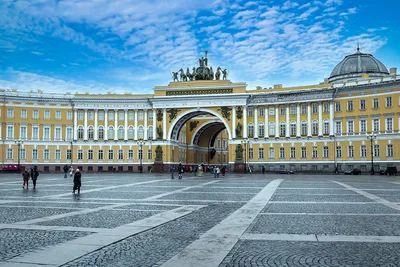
[(346, 121)]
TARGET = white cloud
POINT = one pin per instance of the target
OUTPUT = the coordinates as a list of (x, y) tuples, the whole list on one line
[(288, 5), (37, 53)]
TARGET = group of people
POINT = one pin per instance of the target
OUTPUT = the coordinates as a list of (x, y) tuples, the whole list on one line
[(33, 174), (217, 171), (197, 170), (180, 171)]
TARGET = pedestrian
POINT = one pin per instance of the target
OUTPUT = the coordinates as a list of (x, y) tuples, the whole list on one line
[(214, 172), (35, 176), (195, 170), (71, 171), (218, 171), (263, 169), (25, 177), (180, 171), (172, 169), (65, 170), (77, 181), (223, 171)]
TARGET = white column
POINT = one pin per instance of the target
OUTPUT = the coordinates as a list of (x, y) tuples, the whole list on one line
[(125, 124), (75, 124), (164, 124), (105, 124), (145, 124), (85, 127), (256, 122), (266, 126), (298, 123), (287, 122), (115, 124), (245, 121), (320, 119), (154, 124), (309, 119), (136, 125), (331, 119), (95, 125), (277, 126), (1, 124), (233, 122)]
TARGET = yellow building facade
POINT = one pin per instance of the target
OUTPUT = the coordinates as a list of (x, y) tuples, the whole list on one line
[(345, 122)]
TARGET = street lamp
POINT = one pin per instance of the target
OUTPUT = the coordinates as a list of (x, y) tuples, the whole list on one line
[(245, 142), (141, 143), (19, 143), (371, 138)]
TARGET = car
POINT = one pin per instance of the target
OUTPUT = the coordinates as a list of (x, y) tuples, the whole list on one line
[(285, 171), (353, 172), (10, 168), (388, 171)]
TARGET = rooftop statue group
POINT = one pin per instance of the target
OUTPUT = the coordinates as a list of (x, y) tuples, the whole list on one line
[(201, 73)]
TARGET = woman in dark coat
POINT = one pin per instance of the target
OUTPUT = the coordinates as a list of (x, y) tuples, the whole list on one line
[(25, 176), (77, 181), (34, 175)]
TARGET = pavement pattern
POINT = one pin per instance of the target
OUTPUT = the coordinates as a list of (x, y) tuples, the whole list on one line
[(238, 220)]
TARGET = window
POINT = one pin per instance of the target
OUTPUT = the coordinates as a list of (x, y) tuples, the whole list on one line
[(261, 111), (22, 154), (140, 154), (130, 132), (121, 116), (23, 114), (326, 127), (111, 115), (282, 110), (130, 154), (58, 115), (375, 103), (261, 129), (58, 133), (150, 115), (389, 102), (271, 111), (351, 151), (34, 154), (120, 154), (90, 132), (338, 127), (251, 153), (363, 126), (315, 127), (101, 132), (293, 128), (131, 115), (326, 107), (80, 154), (110, 132), (80, 132), (389, 150), (23, 132), (282, 129), (282, 153), (325, 152), (251, 130), (80, 115), (10, 113), (149, 154), (140, 132), (314, 152), (303, 128), (376, 151), (293, 110), (121, 132), (100, 154), (338, 151), (58, 154), (46, 154), (363, 151), (303, 152), (69, 154), (314, 108), (350, 105), (362, 104), (47, 114), (337, 106), (46, 133), (110, 154), (303, 109), (90, 154), (250, 111), (350, 127), (271, 153), (292, 152), (261, 153), (10, 132), (389, 124), (376, 125), (140, 115), (90, 115), (9, 154), (101, 115), (69, 115), (272, 129), (35, 114)]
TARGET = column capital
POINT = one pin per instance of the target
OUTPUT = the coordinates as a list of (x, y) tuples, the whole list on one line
[(115, 110), (106, 109), (85, 109), (125, 109), (96, 109)]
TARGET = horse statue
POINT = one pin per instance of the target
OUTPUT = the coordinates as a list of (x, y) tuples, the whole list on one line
[(218, 73), (183, 76), (175, 76), (189, 75), (225, 74)]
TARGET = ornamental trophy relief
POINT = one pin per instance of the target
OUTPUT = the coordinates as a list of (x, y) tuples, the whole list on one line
[(203, 72)]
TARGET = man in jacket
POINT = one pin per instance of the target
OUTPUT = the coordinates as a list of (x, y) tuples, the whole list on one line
[(34, 175), (65, 171), (25, 177), (180, 171), (77, 181)]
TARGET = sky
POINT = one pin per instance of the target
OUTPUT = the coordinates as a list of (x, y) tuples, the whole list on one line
[(101, 46)]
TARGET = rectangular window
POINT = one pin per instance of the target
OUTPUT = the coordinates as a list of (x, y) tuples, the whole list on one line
[(140, 115), (260, 131), (69, 154), (363, 126), (303, 109), (80, 154), (303, 128), (314, 108), (101, 115), (362, 104), (389, 150), (58, 115), (282, 153), (261, 153), (58, 133), (250, 111), (326, 127), (261, 111), (283, 129), (140, 154), (47, 133), (46, 154), (130, 154), (293, 110), (9, 154), (363, 151), (34, 154), (251, 153), (271, 111), (293, 129), (338, 151), (389, 102), (69, 133), (350, 105), (376, 151), (350, 127), (292, 152), (121, 115), (351, 151), (375, 103), (315, 128), (376, 125), (90, 154), (326, 107), (120, 154), (338, 127), (69, 115), (100, 154), (149, 154), (272, 129), (315, 152), (80, 115), (35, 114), (90, 115), (22, 154), (337, 106), (23, 132), (282, 110), (326, 152), (10, 132), (271, 153), (23, 114), (303, 152), (131, 115), (58, 154), (10, 113), (110, 154), (47, 114), (389, 124)]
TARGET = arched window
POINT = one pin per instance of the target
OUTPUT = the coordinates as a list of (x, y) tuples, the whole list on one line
[(282, 128), (315, 127), (303, 128), (110, 132), (261, 129), (121, 132), (251, 130), (326, 127), (293, 128), (131, 132), (101, 132), (90, 132), (150, 132), (272, 128), (140, 132), (80, 132)]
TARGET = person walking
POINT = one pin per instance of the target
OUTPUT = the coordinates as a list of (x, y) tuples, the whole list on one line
[(218, 171), (172, 169), (25, 177), (35, 176), (263, 169), (65, 170), (214, 172), (180, 171), (195, 170), (223, 170), (71, 171), (77, 181)]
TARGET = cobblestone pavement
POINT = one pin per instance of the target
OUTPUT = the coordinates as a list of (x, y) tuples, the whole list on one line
[(238, 220)]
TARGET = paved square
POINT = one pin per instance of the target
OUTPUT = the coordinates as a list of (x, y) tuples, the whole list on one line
[(238, 220)]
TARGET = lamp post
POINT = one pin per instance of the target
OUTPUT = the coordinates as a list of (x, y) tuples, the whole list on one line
[(19, 143), (141, 143), (245, 142), (371, 138)]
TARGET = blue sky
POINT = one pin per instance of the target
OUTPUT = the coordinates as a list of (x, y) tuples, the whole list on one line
[(131, 46)]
